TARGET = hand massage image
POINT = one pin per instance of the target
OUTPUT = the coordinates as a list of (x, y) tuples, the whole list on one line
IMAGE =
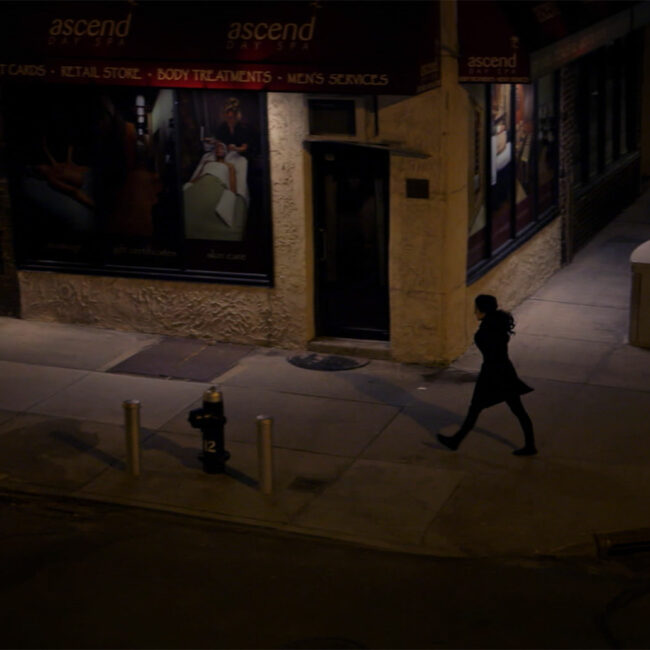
[(61, 189)]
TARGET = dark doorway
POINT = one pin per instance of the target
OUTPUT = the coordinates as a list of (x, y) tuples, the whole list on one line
[(351, 231)]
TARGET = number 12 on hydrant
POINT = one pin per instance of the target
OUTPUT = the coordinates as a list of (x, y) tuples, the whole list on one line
[(211, 420)]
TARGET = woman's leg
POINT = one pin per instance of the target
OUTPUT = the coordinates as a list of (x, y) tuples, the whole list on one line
[(452, 442), (526, 424)]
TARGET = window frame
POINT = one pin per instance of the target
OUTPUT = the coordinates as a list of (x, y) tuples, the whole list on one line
[(495, 255), (621, 104)]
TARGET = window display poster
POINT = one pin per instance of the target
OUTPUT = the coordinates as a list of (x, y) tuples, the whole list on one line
[(222, 170), (524, 147), (546, 144), (477, 223), (150, 180), (501, 167)]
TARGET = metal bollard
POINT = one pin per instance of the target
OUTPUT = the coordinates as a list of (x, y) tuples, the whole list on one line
[(265, 453), (132, 432)]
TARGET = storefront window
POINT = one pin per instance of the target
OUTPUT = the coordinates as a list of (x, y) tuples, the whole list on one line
[(593, 113), (603, 109), (547, 144), (140, 180), (521, 161), (524, 139), (611, 68), (501, 168), (623, 103), (477, 230)]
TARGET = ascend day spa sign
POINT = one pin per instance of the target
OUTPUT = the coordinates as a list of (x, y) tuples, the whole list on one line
[(284, 46)]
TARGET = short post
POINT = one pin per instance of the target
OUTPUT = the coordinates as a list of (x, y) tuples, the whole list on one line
[(132, 431), (265, 453)]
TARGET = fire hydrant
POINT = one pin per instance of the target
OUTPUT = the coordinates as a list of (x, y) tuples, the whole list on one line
[(211, 420)]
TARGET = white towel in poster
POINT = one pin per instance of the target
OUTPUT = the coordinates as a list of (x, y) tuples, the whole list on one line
[(219, 170), (225, 207), (241, 167)]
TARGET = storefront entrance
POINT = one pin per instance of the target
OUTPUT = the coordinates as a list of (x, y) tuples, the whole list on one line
[(351, 240)]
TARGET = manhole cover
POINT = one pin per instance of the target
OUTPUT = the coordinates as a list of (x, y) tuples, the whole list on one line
[(328, 362)]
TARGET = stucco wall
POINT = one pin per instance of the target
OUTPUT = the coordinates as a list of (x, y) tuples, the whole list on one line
[(277, 316), (416, 227), (430, 303), (428, 237)]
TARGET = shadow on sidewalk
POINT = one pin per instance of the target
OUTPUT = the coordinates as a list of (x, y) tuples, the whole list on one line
[(48, 452), (431, 417), (87, 444), (190, 457)]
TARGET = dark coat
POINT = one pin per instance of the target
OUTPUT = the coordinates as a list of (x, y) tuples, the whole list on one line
[(242, 134), (498, 381)]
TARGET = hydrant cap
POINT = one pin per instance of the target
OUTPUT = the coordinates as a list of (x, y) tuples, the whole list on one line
[(212, 395)]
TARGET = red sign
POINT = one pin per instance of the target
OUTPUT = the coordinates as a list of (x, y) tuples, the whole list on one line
[(387, 47), (237, 76), (490, 51), (498, 39)]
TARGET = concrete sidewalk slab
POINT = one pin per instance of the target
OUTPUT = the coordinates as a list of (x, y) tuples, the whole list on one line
[(390, 502), (560, 359), (67, 346), (542, 507), (59, 453), (5, 416), (271, 370), (411, 436), (578, 288), (174, 479), (626, 367), (614, 249), (600, 425), (99, 396), (317, 424), (24, 386), (572, 321), (632, 225)]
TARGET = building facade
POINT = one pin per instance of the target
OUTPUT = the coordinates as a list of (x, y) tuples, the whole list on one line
[(302, 175)]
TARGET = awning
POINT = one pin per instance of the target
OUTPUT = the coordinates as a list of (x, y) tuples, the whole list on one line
[(323, 46), (518, 42)]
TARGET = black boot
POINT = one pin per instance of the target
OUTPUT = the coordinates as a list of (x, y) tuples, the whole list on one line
[(529, 448), (451, 442), (525, 451)]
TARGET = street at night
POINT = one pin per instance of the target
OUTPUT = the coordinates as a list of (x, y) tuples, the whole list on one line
[(76, 575)]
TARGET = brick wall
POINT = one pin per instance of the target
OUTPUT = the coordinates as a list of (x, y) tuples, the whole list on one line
[(586, 209), (597, 204), (568, 137)]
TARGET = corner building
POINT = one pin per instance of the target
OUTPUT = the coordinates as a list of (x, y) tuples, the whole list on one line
[(310, 175)]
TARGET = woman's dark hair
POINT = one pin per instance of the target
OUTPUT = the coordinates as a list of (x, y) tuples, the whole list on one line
[(488, 305)]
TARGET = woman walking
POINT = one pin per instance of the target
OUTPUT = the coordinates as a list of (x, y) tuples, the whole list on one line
[(497, 381)]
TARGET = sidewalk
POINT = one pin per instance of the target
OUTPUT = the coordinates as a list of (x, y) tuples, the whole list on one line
[(355, 451)]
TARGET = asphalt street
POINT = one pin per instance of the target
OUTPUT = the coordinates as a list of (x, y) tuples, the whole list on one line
[(79, 575)]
